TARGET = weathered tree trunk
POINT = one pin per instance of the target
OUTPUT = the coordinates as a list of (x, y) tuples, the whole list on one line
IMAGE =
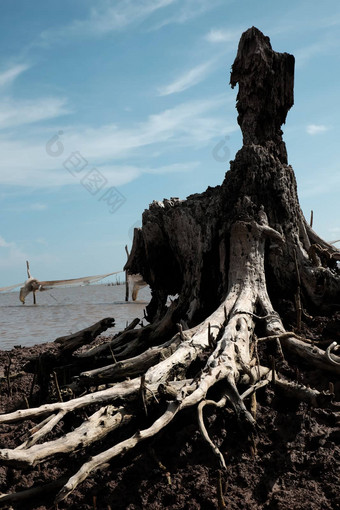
[(237, 256), (183, 247)]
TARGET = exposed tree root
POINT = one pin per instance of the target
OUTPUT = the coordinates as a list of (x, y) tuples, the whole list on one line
[(95, 428), (216, 451), (233, 255)]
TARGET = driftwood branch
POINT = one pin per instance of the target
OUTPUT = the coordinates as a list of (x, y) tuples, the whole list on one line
[(221, 253), (69, 343)]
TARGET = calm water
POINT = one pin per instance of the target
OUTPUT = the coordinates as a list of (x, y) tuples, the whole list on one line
[(65, 310)]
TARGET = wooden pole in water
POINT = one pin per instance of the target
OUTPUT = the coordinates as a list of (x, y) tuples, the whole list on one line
[(29, 276), (126, 277), (28, 269)]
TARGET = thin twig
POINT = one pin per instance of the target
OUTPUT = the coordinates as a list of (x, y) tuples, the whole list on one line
[(142, 393), (255, 387), (220, 498), (60, 398)]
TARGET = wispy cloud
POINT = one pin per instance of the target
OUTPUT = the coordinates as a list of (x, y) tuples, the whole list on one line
[(19, 207), (188, 79), (118, 175), (174, 168), (16, 113), (327, 45), (7, 77), (315, 129), (188, 9), (330, 183), (3, 243), (11, 254), (189, 124), (107, 16), (221, 36)]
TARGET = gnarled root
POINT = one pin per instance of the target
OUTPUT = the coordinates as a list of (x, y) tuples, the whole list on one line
[(95, 428), (228, 333)]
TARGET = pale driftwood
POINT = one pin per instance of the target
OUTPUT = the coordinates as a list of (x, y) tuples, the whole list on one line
[(42, 430), (95, 428), (210, 251), (132, 366), (97, 461), (120, 390), (252, 389)]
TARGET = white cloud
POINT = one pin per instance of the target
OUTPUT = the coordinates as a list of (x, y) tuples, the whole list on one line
[(117, 175), (15, 113), (3, 243), (8, 76), (188, 79), (11, 254), (326, 46), (187, 10), (106, 17), (330, 183), (220, 36), (315, 129), (174, 168), (190, 124)]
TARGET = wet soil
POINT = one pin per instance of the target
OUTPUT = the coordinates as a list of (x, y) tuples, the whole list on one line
[(296, 464)]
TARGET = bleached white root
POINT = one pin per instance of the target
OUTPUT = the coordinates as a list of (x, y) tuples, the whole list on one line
[(103, 458), (132, 366), (120, 390), (42, 430), (94, 429), (230, 328), (216, 451), (247, 272)]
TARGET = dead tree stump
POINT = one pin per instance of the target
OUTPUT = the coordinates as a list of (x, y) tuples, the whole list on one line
[(236, 256)]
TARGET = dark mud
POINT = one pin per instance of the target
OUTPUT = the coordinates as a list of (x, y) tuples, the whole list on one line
[(296, 465)]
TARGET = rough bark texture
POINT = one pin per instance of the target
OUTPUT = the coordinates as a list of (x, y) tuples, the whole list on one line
[(183, 246), (236, 256)]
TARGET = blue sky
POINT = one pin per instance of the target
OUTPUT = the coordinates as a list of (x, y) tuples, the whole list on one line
[(109, 105)]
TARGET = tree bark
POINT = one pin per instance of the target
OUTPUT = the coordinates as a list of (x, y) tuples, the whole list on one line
[(236, 256)]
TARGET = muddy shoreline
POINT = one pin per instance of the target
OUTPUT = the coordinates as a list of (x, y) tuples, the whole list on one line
[(296, 465)]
